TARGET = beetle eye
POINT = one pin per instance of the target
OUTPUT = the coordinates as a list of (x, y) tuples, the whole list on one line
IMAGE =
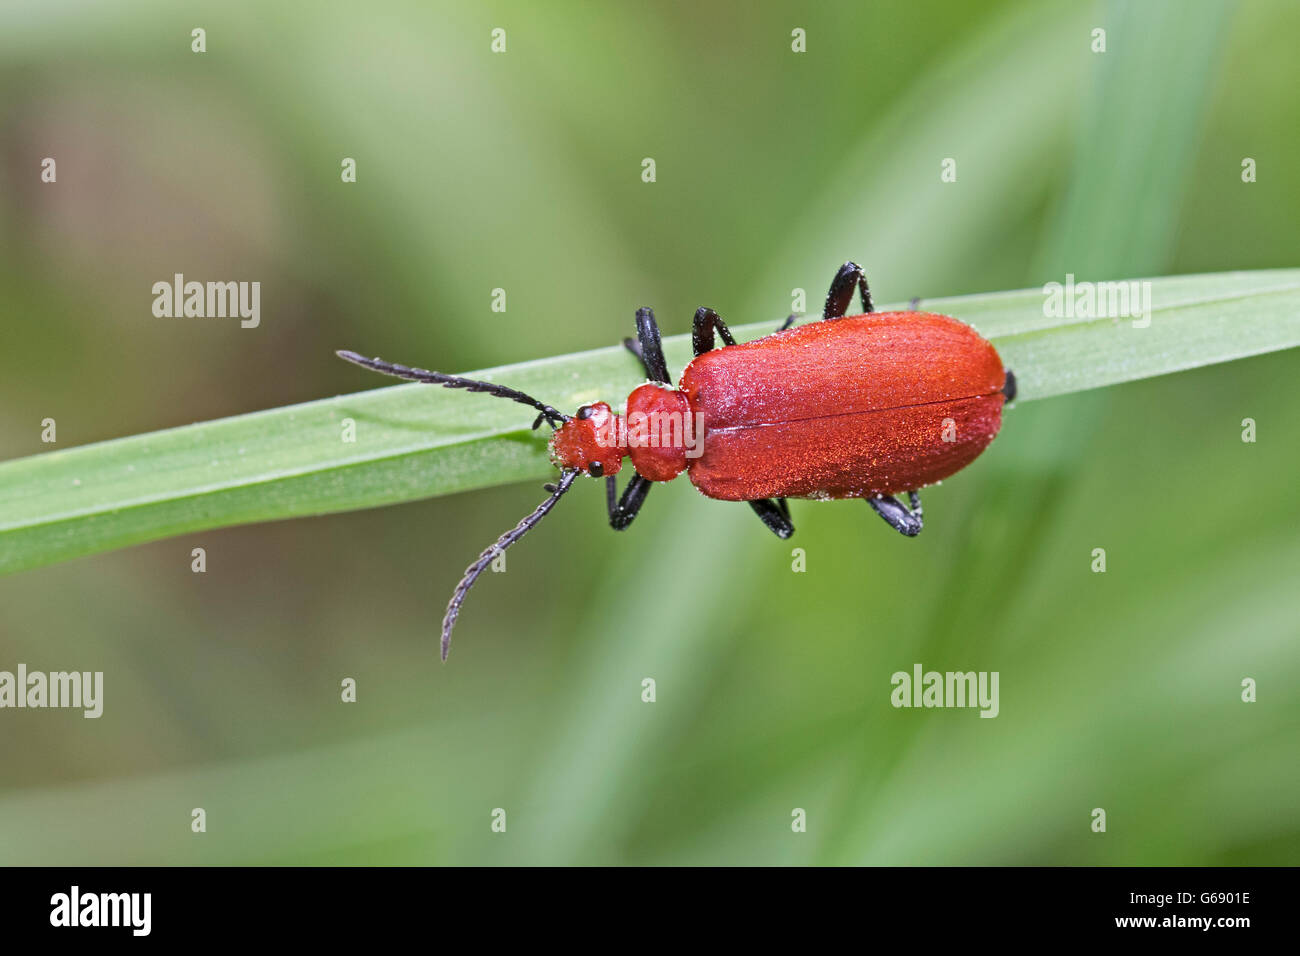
[(595, 469), (584, 411)]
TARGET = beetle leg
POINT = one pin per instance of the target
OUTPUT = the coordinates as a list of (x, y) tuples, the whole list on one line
[(648, 348), (774, 513), (623, 510), (905, 522), (841, 293), (633, 346), (1009, 386), (706, 321)]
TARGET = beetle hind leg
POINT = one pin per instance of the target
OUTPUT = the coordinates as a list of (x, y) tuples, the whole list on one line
[(774, 513), (840, 296), (905, 522), (1009, 386)]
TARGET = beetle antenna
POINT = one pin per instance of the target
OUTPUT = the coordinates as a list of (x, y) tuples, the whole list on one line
[(548, 414), (487, 557)]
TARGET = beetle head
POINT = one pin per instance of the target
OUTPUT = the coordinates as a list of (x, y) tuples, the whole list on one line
[(592, 441)]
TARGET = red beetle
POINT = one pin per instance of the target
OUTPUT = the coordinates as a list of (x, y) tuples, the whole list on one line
[(863, 406)]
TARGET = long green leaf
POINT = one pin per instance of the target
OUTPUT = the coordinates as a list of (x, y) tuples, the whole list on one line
[(412, 441)]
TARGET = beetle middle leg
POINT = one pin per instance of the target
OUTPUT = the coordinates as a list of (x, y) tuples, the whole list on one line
[(648, 348), (706, 322), (623, 510), (849, 277), (774, 513), (902, 520)]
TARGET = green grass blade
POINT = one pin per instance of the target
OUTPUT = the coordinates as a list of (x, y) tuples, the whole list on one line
[(412, 441)]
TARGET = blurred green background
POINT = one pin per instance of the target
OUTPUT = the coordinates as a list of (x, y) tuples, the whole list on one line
[(522, 171)]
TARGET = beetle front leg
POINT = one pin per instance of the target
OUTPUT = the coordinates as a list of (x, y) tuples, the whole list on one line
[(633, 346), (905, 522), (774, 513), (647, 347), (841, 293), (623, 510)]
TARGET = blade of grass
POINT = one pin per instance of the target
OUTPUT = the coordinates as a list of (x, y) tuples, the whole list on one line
[(413, 441)]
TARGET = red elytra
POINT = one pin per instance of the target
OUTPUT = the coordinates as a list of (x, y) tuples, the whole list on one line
[(878, 404), (864, 406)]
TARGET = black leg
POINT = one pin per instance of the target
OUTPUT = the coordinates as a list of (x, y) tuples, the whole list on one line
[(623, 510), (788, 322), (706, 321), (647, 346), (900, 519), (841, 294), (633, 346), (1009, 386), (774, 513), (914, 304)]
